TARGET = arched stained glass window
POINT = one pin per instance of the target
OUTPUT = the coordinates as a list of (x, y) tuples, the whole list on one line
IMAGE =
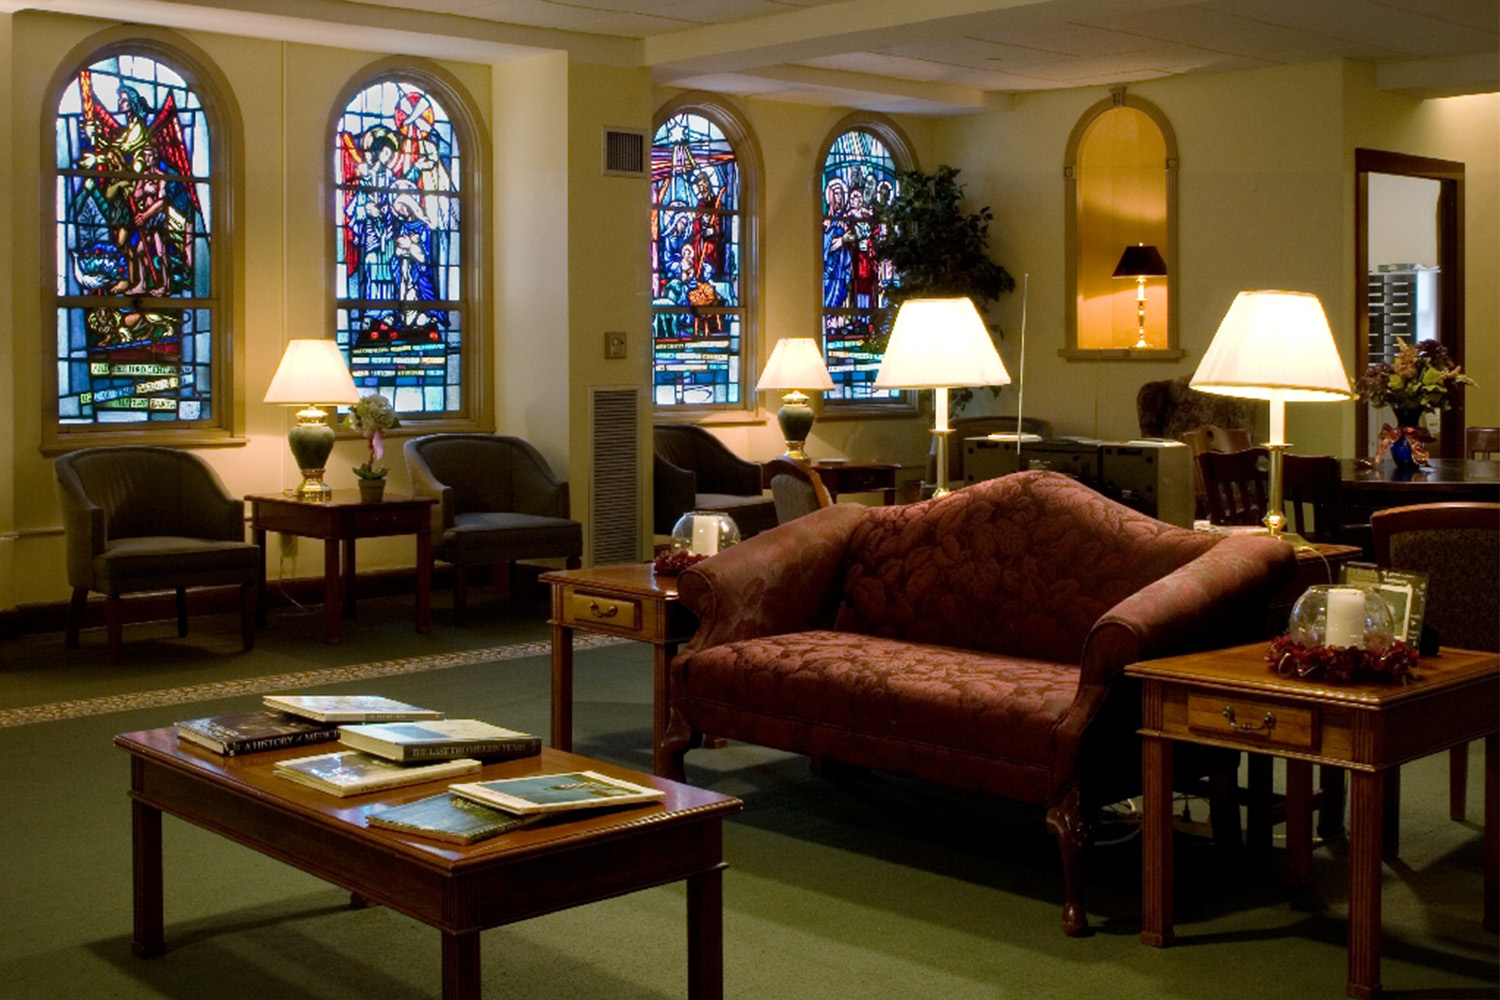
[(399, 267), (698, 310), (859, 174), (135, 300)]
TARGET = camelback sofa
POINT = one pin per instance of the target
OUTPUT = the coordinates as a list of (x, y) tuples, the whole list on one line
[(975, 640)]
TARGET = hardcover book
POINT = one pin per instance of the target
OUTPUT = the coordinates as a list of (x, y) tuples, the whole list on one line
[(250, 732), (351, 772), (446, 816), (348, 707), (549, 793), (440, 739)]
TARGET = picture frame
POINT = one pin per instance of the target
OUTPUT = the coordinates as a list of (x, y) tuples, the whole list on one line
[(1404, 590)]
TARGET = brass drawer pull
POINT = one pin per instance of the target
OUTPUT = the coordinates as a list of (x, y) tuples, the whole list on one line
[(603, 614), (1267, 722)]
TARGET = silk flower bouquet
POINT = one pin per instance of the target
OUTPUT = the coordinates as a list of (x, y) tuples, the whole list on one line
[(1422, 378), (372, 416)]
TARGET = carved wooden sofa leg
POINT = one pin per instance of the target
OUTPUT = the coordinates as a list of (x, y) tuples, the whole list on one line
[(1070, 826)]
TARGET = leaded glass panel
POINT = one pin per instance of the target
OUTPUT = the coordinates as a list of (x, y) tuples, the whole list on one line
[(696, 240), (133, 244), (397, 266), (859, 175)]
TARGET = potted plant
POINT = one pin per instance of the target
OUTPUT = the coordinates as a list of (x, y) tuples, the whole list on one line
[(372, 416), (935, 248), (1421, 379)]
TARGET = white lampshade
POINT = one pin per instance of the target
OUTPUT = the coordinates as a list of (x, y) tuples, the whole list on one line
[(940, 343), (1271, 344), (312, 371), (795, 363)]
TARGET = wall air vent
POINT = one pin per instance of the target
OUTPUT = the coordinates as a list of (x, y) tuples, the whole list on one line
[(615, 494), (624, 152)]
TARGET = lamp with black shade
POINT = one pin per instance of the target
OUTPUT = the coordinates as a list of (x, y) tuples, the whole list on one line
[(1140, 262)]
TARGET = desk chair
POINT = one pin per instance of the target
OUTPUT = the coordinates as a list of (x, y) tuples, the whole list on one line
[(1236, 485), (1211, 437), (1482, 443), (796, 489)]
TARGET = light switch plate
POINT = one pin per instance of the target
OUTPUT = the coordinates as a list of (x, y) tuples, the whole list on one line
[(614, 345)]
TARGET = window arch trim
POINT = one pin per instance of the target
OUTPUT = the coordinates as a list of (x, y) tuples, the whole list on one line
[(203, 77), (748, 160)]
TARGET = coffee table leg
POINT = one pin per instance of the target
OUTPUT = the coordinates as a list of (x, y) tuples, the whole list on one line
[(562, 688), (1156, 842), (145, 828), (705, 914), (461, 966), (1366, 835)]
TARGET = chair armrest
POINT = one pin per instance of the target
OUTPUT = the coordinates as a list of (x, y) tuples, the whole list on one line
[(425, 484), (784, 580), (1216, 600), (83, 527), (674, 489)]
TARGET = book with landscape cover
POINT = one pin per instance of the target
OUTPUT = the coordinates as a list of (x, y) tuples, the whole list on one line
[(250, 732), (352, 772), (348, 707), (549, 793), (446, 816), (440, 739)]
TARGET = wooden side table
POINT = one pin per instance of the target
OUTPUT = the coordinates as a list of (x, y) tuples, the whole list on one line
[(339, 522), (1230, 698), (851, 477), (629, 601)]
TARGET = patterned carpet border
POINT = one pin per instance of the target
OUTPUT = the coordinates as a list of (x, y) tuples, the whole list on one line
[(60, 710)]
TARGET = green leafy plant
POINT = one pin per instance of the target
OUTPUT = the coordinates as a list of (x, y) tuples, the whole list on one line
[(937, 249), (372, 416)]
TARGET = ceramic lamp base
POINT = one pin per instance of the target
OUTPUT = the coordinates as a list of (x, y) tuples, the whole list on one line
[(796, 420), (311, 441)]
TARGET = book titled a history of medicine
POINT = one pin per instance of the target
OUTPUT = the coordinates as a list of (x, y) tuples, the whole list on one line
[(446, 816), (440, 739), (352, 772), (348, 707), (250, 732), (548, 793)]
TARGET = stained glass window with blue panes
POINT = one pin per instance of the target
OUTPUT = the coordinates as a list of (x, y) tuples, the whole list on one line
[(398, 270), (697, 304), (859, 175), (135, 303)]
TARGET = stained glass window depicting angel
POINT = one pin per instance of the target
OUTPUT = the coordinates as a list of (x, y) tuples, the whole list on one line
[(398, 270), (859, 175), (135, 302), (697, 309)]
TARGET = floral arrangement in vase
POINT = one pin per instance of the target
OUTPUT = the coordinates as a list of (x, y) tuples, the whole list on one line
[(372, 416), (1421, 379)]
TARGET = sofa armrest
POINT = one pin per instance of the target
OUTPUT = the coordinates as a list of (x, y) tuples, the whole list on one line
[(783, 580), (1216, 600)]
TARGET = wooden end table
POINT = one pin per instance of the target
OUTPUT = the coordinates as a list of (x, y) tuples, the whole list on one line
[(459, 889), (629, 601), (1230, 698), (340, 521)]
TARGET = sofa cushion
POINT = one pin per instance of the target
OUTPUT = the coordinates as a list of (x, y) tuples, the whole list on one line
[(955, 699)]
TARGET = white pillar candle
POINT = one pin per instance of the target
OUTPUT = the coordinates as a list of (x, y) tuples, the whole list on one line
[(1346, 617), (705, 536)]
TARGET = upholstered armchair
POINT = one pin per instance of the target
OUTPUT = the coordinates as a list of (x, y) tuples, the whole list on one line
[(796, 488), (498, 502), (976, 640), (1171, 407), (139, 519), (693, 470)]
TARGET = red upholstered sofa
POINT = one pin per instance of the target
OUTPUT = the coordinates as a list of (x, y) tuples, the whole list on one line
[(975, 640)]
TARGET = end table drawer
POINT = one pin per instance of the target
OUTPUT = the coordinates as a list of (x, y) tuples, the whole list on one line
[(590, 610), (1252, 721)]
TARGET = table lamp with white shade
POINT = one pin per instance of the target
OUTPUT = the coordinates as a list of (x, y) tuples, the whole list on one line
[(1276, 346), (312, 372), (940, 344), (795, 365)]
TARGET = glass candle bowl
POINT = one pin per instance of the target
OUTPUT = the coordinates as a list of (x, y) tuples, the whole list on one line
[(1342, 616), (704, 533)]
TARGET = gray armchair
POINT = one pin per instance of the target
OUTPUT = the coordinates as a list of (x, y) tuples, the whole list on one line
[(498, 502), (693, 470), (140, 519)]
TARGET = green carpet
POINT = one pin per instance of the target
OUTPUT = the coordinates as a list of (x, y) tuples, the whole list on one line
[(873, 888)]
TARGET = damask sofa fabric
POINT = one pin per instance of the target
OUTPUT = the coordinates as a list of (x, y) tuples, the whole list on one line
[(977, 640)]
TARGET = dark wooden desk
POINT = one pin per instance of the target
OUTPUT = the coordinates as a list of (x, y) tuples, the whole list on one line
[(1230, 698), (851, 477), (341, 521), (1447, 479), (458, 889)]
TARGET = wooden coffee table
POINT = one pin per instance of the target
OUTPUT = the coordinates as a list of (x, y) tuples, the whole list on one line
[(459, 889), (1230, 698)]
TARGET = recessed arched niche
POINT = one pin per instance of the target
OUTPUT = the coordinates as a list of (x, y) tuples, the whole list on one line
[(1121, 174)]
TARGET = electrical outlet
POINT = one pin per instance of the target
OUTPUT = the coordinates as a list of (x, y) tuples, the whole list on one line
[(614, 345)]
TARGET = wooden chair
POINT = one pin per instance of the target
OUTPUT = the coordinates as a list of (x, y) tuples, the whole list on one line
[(1313, 487), (1482, 443), (1458, 546), (1211, 437), (796, 488), (1235, 484)]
